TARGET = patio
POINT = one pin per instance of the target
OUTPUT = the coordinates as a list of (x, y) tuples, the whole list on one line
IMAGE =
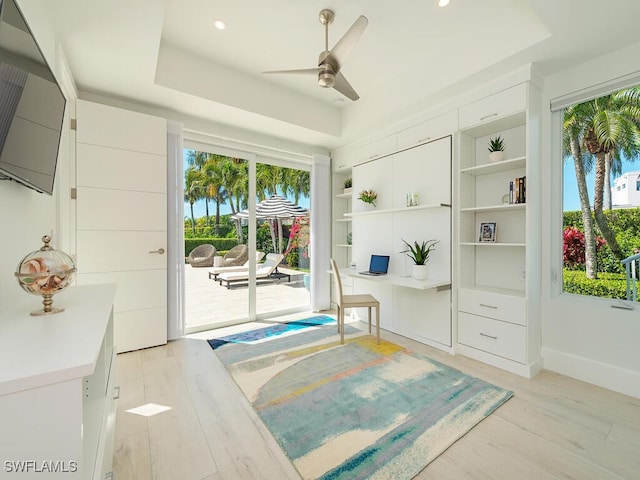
[(210, 305)]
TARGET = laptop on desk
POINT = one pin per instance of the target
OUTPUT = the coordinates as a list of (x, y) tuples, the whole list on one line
[(378, 265)]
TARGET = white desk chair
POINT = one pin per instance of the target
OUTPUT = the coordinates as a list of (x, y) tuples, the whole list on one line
[(353, 301)]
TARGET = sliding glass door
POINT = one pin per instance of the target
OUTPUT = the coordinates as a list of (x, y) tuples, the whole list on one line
[(260, 267), (282, 230)]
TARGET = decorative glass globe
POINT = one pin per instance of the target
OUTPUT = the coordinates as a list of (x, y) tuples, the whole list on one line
[(46, 272)]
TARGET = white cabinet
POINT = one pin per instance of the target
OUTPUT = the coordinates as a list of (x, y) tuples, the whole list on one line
[(493, 108), (57, 385), (376, 149), (498, 277), (342, 159), (428, 131)]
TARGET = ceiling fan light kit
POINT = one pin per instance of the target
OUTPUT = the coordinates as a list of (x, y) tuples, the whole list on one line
[(331, 61)]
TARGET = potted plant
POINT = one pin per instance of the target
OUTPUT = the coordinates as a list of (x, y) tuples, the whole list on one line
[(347, 185), (368, 196), (419, 253), (496, 149)]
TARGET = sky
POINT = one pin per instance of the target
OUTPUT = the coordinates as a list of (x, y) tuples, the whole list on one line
[(571, 199)]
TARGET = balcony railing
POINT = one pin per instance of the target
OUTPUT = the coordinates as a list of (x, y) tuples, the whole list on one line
[(632, 268)]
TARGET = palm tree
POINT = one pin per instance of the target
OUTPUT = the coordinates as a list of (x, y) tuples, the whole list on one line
[(198, 160), (215, 187), (193, 190), (297, 183), (268, 179), (572, 141), (613, 166), (236, 181), (612, 124)]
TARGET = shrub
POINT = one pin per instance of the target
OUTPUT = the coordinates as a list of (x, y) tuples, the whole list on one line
[(221, 244), (607, 285), (625, 223), (573, 250)]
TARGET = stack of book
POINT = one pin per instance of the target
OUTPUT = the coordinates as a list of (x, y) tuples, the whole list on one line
[(518, 190)]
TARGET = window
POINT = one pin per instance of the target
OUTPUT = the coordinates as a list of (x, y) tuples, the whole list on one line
[(600, 229)]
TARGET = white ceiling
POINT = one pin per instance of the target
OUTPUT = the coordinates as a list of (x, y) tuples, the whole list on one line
[(168, 54)]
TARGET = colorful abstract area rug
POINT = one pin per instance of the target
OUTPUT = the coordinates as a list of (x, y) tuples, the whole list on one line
[(358, 410)]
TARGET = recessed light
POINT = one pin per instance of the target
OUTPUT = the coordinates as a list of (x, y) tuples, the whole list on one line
[(443, 3), (219, 24)]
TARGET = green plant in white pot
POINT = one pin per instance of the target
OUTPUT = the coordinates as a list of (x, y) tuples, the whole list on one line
[(496, 149), (419, 253), (347, 185)]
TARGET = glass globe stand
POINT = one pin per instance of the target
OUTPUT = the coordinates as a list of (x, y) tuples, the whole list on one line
[(46, 272)]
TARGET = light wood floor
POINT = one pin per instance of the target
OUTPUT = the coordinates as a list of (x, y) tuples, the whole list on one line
[(554, 427)]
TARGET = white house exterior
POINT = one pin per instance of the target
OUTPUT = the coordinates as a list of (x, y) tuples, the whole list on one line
[(625, 191)]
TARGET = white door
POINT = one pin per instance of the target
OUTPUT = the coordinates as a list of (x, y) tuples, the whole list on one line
[(122, 217)]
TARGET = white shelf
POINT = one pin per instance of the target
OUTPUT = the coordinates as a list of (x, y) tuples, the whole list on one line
[(344, 245), (496, 208), (397, 280), (489, 168), (343, 195), (493, 244), (397, 210)]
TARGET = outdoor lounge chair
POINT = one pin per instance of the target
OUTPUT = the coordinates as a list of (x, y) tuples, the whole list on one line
[(266, 271), (202, 255), (236, 256), (215, 271)]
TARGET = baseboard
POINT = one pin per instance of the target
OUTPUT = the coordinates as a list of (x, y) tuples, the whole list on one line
[(527, 371), (604, 375)]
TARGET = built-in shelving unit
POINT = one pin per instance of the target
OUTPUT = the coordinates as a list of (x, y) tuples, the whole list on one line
[(497, 278), (341, 251)]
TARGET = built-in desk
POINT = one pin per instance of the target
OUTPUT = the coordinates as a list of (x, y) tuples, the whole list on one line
[(418, 309), (399, 281)]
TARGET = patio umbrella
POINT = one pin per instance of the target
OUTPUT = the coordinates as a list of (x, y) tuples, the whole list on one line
[(276, 208)]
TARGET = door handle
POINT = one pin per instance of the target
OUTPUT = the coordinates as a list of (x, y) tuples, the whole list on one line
[(160, 251)]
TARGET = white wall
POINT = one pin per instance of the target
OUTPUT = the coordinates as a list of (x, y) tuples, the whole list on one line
[(26, 215), (582, 337)]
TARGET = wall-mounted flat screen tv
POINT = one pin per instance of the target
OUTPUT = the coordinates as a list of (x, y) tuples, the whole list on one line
[(31, 105)]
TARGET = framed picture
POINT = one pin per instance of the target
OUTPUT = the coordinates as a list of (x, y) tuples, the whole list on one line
[(488, 232)]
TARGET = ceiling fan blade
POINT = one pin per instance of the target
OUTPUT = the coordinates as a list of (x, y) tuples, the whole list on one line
[(300, 71), (341, 50), (345, 88)]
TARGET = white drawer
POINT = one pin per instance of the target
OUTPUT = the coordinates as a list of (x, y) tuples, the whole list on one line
[(427, 131), (493, 336), (494, 305), (491, 108), (377, 149)]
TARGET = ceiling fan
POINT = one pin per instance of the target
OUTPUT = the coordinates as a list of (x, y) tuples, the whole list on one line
[(331, 61)]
